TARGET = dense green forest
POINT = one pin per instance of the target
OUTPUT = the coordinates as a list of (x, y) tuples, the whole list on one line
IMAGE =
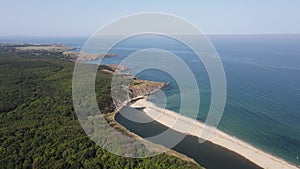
[(38, 125)]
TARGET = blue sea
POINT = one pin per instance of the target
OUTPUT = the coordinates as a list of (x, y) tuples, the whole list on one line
[(263, 84)]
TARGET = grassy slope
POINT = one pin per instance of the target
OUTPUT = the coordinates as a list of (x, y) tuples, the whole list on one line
[(38, 126)]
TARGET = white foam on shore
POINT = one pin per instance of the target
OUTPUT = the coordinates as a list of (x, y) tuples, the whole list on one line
[(193, 127)]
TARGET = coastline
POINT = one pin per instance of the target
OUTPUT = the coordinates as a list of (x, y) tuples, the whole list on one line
[(110, 117), (255, 155), (220, 138)]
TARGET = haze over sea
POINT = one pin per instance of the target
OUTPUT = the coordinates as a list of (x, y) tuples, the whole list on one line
[(263, 84)]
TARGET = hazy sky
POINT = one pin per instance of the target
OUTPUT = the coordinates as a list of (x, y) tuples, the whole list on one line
[(82, 18)]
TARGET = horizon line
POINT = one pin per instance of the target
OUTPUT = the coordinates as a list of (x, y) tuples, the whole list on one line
[(209, 34)]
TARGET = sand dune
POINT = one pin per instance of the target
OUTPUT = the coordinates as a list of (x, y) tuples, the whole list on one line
[(192, 127)]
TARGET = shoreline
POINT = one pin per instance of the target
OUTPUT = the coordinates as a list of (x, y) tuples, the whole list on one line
[(111, 117), (168, 118)]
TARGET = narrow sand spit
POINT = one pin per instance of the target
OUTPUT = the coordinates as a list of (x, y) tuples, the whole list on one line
[(192, 127)]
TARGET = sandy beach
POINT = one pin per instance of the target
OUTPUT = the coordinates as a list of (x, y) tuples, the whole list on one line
[(195, 128)]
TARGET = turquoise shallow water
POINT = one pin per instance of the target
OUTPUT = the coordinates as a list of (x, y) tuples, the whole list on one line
[(263, 80)]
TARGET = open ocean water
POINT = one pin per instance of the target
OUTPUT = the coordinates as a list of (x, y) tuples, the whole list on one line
[(263, 85), (263, 80)]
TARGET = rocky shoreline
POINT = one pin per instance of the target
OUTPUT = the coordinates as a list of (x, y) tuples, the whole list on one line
[(82, 56)]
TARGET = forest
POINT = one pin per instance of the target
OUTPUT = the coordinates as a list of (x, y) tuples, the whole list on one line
[(38, 125)]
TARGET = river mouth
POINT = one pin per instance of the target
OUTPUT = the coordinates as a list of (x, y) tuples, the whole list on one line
[(207, 154)]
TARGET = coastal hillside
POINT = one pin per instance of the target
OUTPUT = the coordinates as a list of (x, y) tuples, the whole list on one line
[(38, 125)]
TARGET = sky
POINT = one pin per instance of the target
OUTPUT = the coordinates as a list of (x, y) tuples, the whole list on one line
[(59, 18)]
